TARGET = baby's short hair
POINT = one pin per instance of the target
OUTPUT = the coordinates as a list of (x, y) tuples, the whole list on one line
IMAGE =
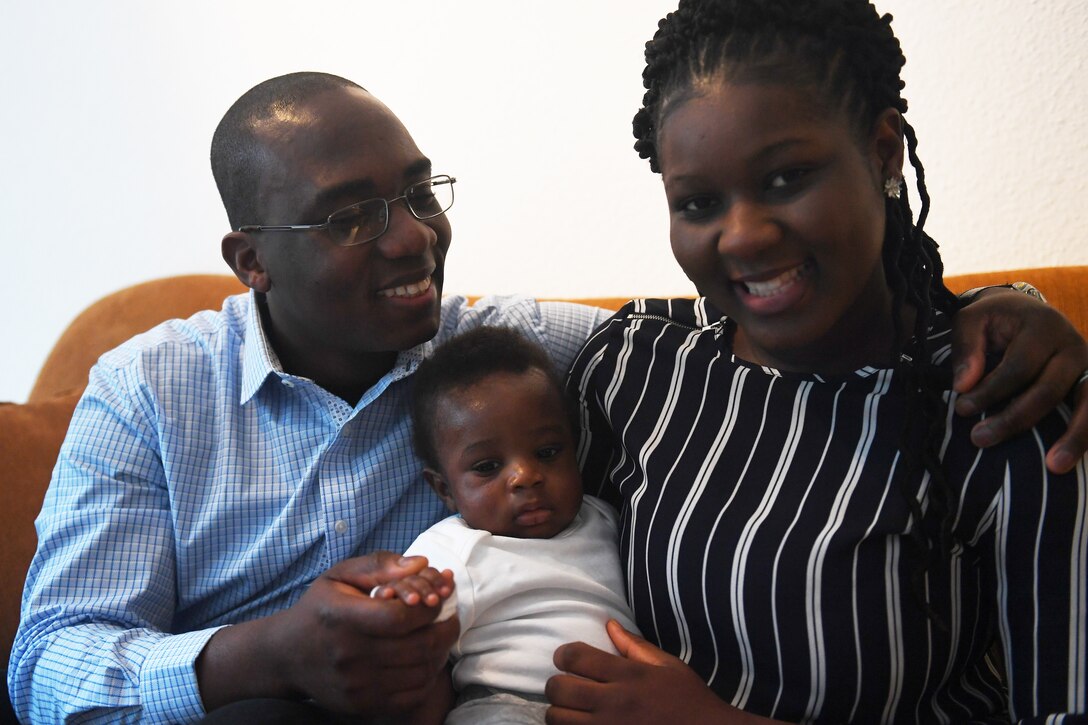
[(465, 360)]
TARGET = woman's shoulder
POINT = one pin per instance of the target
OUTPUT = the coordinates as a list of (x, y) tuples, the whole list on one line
[(649, 323), (691, 312), (656, 321)]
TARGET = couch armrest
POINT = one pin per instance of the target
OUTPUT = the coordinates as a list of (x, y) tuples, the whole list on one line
[(32, 434)]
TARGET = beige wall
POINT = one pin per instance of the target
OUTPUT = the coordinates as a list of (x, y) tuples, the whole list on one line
[(109, 107)]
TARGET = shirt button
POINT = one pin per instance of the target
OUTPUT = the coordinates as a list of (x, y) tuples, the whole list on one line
[(341, 526)]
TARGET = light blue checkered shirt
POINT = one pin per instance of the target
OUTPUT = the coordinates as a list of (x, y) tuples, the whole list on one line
[(200, 486)]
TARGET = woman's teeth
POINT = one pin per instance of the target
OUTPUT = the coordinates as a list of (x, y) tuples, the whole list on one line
[(769, 287)]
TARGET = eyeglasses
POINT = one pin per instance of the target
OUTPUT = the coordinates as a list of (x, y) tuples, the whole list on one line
[(367, 220)]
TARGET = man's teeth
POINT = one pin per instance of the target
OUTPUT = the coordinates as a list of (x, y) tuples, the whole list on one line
[(408, 290), (769, 287)]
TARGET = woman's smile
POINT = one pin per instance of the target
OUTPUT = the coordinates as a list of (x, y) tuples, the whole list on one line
[(774, 292)]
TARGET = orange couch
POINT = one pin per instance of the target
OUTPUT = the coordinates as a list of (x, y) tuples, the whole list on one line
[(31, 433)]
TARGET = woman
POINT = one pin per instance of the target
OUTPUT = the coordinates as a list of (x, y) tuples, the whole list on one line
[(853, 557)]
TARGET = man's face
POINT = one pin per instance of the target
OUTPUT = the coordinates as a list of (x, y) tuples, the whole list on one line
[(335, 149)]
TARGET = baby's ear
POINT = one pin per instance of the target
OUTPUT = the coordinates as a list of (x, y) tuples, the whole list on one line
[(437, 482)]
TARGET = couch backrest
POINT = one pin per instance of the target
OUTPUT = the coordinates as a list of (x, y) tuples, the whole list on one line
[(117, 317), (1066, 288)]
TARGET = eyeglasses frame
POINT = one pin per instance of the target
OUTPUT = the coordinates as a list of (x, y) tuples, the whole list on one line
[(451, 180)]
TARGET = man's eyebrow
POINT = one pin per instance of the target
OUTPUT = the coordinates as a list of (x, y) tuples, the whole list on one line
[(356, 190), (416, 169)]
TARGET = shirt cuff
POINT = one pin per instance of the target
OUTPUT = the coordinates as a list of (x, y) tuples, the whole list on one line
[(168, 685)]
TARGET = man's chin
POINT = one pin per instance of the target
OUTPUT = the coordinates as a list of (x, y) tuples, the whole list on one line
[(406, 338)]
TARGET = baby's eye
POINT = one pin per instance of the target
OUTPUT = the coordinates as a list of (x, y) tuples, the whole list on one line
[(485, 468), (547, 453)]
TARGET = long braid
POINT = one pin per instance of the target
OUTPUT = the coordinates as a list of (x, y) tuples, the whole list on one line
[(847, 51)]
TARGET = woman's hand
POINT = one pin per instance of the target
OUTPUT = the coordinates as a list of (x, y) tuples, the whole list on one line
[(643, 685), (1043, 359)]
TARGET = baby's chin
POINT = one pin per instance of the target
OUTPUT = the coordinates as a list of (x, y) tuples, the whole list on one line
[(536, 524)]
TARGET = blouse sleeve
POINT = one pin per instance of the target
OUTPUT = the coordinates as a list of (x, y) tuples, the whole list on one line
[(1040, 553), (588, 383)]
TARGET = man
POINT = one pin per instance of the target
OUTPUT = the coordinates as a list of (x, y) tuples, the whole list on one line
[(205, 538)]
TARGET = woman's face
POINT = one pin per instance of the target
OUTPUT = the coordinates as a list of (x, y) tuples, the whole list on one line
[(777, 216)]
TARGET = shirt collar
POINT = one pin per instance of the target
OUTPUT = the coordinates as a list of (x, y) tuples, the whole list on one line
[(259, 360)]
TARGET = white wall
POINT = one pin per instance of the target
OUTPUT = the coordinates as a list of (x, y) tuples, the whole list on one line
[(108, 109)]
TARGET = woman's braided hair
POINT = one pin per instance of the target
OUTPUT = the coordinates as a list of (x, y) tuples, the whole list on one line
[(845, 51)]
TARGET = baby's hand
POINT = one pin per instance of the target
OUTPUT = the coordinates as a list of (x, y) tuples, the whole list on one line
[(429, 587)]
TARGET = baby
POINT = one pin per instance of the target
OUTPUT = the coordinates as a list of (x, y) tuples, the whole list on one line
[(535, 563)]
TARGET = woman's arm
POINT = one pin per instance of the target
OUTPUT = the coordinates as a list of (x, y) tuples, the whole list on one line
[(1043, 358)]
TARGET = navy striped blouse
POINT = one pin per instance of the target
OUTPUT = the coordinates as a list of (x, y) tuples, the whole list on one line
[(767, 545)]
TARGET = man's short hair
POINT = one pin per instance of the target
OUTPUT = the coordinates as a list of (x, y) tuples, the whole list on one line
[(464, 361), (238, 159)]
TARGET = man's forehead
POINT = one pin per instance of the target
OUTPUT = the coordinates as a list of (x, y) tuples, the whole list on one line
[(282, 116), (339, 144), (322, 114)]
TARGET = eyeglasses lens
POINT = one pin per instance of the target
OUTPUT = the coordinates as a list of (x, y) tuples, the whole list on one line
[(367, 220), (431, 197), (358, 223)]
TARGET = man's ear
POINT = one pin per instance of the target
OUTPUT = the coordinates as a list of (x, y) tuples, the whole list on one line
[(240, 254), (437, 482), (888, 144)]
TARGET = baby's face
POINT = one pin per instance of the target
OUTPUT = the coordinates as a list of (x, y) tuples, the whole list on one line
[(506, 454)]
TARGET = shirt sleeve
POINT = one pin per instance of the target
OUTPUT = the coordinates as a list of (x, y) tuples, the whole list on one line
[(1039, 546), (560, 327), (100, 596), (566, 328)]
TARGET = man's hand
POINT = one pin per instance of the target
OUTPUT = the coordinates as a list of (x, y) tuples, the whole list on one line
[(643, 685), (338, 645), (1044, 356)]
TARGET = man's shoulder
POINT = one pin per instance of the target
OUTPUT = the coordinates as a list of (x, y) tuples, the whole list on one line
[(522, 312), (459, 311), (176, 344)]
